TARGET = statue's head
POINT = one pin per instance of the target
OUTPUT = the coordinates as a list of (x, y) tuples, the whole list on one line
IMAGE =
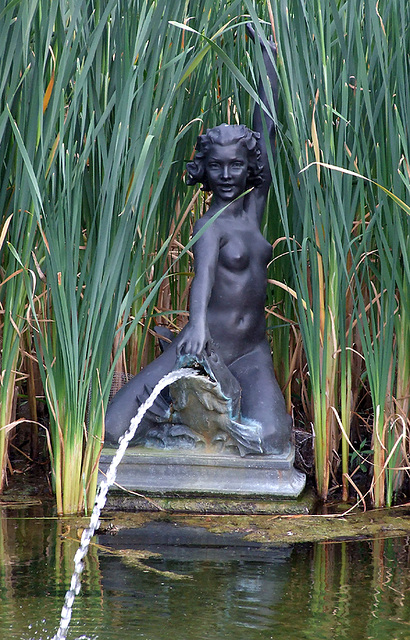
[(232, 137)]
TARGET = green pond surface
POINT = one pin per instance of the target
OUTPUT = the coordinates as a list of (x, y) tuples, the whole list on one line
[(166, 579)]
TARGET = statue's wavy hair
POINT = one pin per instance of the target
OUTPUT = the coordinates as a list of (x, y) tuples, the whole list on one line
[(225, 134)]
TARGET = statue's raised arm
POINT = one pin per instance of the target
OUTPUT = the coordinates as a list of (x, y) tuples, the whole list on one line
[(263, 124)]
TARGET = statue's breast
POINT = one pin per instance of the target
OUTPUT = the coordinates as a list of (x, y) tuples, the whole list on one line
[(239, 250), (234, 254)]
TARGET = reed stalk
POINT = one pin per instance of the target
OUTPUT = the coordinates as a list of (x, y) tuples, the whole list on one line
[(332, 97), (100, 106), (19, 205)]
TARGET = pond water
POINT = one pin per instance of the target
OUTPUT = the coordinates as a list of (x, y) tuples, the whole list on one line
[(167, 580)]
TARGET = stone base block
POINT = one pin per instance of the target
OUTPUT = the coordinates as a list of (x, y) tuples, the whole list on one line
[(155, 472)]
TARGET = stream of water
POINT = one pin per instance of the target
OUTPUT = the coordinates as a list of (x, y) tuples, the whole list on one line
[(101, 497)]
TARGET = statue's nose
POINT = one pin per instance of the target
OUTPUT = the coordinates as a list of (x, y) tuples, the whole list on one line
[(225, 172)]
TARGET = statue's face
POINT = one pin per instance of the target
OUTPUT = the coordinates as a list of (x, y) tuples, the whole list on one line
[(227, 170)]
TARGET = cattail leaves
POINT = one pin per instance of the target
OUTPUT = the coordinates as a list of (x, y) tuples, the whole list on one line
[(100, 107), (347, 103)]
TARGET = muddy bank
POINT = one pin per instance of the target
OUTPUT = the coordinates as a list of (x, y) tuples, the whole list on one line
[(285, 528), (295, 524)]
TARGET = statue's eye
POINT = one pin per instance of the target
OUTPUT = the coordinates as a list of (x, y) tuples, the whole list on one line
[(213, 165)]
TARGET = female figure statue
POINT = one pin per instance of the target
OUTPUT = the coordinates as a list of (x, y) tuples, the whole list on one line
[(228, 293)]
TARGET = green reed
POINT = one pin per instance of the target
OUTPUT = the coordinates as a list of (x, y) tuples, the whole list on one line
[(19, 205), (101, 103), (94, 133), (344, 78)]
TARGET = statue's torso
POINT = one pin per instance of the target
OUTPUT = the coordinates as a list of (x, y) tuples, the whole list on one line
[(236, 310)]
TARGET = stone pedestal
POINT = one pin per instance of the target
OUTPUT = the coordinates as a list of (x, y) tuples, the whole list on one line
[(155, 472)]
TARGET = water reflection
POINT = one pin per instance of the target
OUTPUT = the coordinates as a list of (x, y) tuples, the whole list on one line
[(349, 591), (200, 585), (229, 588)]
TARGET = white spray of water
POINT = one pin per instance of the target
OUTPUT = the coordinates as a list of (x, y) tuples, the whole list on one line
[(100, 500)]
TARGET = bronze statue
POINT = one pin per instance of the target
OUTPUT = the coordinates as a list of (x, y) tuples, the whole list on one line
[(226, 332)]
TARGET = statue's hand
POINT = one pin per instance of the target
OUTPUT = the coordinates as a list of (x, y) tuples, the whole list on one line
[(195, 341), (272, 46)]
